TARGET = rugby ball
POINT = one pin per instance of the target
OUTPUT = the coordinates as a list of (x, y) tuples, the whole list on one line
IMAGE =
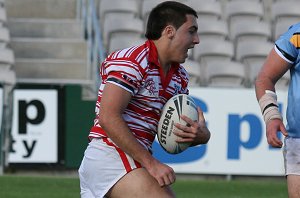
[(176, 106)]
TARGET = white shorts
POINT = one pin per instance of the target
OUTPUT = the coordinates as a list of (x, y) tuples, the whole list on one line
[(291, 155), (102, 166)]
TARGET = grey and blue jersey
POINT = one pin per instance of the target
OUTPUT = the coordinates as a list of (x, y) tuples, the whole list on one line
[(288, 47)]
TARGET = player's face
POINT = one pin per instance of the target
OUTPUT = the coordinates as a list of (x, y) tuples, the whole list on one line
[(185, 38)]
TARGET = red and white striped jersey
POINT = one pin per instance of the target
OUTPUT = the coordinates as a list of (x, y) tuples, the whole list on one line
[(137, 70)]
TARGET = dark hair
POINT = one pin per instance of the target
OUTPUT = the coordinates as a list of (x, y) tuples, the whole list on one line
[(167, 13)]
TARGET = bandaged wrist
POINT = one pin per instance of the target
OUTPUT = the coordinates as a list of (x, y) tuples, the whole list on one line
[(269, 106)]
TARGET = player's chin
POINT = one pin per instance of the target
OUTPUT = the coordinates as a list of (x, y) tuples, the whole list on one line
[(182, 59)]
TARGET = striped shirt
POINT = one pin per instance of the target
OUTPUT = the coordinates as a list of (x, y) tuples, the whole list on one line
[(288, 48), (137, 70)]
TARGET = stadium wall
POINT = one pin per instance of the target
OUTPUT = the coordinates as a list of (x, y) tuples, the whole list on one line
[(51, 124)]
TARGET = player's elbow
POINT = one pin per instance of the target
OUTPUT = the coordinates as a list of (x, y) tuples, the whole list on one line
[(109, 121), (103, 120), (258, 82)]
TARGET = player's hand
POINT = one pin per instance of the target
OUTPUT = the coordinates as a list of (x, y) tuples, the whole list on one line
[(163, 173), (194, 131), (273, 127)]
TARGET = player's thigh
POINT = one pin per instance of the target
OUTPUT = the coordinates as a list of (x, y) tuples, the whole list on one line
[(139, 183), (293, 182), (291, 153)]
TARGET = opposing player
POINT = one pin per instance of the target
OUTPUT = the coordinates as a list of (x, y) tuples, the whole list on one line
[(136, 84), (283, 58)]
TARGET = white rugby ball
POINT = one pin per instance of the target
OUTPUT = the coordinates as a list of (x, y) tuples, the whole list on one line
[(176, 106)]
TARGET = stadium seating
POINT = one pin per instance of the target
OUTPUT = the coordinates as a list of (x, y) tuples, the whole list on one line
[(129, 7), (114, 26), (213, 49), (252, 54), (282, 26), (7, 58), (225, 74), (124, 41), (283, 82), (194, 70), (225, 26), (281, 10), (2, 3), (147, 6), (252, 49), (48, 44), (207, 9), (250, 30), (283, 15), (3, 16), (4, 36), (7, 76), (237, 10), (212, 28)]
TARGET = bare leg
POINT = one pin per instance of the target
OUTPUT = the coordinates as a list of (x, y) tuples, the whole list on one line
[(293, 182), (139, 183)]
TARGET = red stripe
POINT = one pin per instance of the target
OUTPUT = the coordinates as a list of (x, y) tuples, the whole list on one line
[(138, 165), (144, 111), (129, 51), (122, 155), (99, 130), (147, 136), (143, 134)]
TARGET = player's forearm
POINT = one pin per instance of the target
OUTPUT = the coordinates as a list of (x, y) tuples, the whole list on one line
[(261, 85)]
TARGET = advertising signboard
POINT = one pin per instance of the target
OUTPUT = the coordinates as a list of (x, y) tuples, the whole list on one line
[(35, 126), (238, 144)]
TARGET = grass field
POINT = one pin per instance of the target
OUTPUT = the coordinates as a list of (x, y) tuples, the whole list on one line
[(60, 187)]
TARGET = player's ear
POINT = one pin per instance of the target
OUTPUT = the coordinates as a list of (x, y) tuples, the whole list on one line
[(169, 31)]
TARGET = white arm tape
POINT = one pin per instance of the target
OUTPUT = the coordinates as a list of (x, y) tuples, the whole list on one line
[(269, 106)]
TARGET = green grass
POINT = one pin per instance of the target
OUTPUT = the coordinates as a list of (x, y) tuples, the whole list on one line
[(38, 187), (57, 187), (230, 189)]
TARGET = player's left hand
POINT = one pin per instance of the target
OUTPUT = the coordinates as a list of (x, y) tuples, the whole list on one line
[(195, 132)]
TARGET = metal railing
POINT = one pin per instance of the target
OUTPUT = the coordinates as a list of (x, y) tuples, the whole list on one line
[(92, 31)]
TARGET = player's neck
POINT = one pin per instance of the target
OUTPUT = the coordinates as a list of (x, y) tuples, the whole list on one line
[(165, 66), (162, 51)]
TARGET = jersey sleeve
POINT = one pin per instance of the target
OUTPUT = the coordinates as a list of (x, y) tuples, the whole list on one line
[(123, 73), (288, 44)]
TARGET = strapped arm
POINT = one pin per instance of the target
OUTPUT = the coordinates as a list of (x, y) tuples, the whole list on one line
[(269, 106)]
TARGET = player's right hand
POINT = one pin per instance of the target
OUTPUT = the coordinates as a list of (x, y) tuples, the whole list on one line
[(163, 173), (273, 127)]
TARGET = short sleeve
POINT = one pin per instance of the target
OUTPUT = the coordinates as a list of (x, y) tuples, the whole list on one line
[(123, 73), (288, 44)]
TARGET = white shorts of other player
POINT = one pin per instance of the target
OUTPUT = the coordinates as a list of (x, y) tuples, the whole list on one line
[(102, 166), (291, 154)]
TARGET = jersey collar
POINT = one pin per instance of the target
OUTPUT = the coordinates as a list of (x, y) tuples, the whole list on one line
[(153, 55)]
